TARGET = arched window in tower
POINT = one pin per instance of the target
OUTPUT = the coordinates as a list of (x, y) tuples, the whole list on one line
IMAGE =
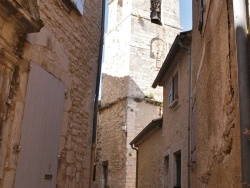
[(157, 50), (155, 14)]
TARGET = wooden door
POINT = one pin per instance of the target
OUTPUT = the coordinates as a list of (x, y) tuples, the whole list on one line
[(41, 128)]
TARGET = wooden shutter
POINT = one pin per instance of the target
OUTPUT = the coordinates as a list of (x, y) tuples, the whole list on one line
[(200, 16), (193, 135), (171, 89)]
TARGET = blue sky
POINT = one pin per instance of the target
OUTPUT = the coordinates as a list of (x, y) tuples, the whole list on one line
[(186, 14)]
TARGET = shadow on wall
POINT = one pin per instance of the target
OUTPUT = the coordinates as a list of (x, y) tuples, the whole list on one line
[(114, 88)]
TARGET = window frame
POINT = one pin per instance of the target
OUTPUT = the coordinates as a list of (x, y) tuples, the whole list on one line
[(166, 171), (200, 15), (173, 96), (178, 169)]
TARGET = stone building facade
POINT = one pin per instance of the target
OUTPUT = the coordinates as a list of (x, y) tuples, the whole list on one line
[(135, 46), (174, 76), (163, 144), (149, 156), (219, 112), (48, 68)]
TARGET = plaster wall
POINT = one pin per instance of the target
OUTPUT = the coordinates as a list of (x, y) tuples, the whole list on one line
[(215, 94), (151, 162), (158, 148), (175, 120)]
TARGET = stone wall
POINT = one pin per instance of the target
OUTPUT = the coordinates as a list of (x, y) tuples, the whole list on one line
[(134, 51), (215, 94), (132, 47), (68, 48), (111, 136), (110, 93), (118, 123), (139, 114), (136, 47), (12, 39)]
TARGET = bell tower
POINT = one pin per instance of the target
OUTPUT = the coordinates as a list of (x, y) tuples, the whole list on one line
[(138, 36)]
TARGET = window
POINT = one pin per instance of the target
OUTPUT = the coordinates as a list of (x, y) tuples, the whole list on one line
[(166, 172), (155, 14), (173, 92), (105, 173), (177, 170), (193, 135), (200, 12)]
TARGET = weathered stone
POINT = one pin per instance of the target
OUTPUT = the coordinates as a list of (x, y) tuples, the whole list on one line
[(133, 45), (68, 48), (70, 157)]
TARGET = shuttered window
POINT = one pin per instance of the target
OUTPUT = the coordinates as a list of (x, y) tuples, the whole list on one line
[(200, 16), (173, 91), (166, 173), (177, 170), (193, 135)]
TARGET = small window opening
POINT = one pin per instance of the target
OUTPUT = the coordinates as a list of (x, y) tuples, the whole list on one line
[(200, 12), (155, 14), (193, 135), (177, 170), (94, 173), (166, 172), (173, 93), (105, 174)]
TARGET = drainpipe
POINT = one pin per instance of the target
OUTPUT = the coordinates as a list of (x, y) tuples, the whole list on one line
[(98, 76), (136, 175), (241, 39), (189, 103)]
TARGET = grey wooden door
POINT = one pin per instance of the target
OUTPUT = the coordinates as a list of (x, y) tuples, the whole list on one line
[(39, 145)]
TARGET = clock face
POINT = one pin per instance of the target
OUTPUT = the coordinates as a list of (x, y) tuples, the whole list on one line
[(79, 5)]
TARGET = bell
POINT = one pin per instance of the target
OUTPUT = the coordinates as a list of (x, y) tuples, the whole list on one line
[(155, 18)]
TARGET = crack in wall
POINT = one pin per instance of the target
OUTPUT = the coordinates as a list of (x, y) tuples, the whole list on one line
[(219, 154)]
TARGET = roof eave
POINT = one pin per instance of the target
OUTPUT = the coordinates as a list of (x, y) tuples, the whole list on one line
[(169, 59)]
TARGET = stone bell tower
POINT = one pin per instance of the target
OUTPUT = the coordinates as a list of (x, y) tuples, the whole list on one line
[(138, 36)]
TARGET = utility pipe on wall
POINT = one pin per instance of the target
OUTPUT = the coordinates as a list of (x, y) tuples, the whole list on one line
[(189, 103), (241, 39), (136, 175), (98, 76)]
